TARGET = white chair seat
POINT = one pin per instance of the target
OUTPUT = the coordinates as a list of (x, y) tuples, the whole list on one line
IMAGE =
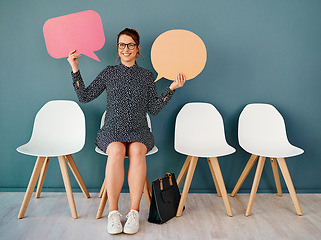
[(280, 151), (46, 149), (206, 150)]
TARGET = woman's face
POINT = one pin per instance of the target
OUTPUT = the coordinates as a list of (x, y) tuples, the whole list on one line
[(127, 56)]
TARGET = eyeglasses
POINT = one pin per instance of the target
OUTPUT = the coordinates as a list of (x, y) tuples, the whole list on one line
[(130, 46)]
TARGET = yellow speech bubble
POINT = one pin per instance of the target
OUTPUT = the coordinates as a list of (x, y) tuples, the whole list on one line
[(178, 51)]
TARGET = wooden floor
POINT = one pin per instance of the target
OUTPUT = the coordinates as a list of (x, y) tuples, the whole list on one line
[(205, 217)]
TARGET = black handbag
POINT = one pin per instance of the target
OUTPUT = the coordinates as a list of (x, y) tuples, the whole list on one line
[(165, 199)]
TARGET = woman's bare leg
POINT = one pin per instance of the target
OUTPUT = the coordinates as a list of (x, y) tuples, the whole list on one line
[(115, 173), (136, 172)]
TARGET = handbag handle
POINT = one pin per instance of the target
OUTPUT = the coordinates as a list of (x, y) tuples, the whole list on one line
[(170, 178), (160, 182)]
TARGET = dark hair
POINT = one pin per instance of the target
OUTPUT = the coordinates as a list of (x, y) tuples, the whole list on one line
[(133, 34)]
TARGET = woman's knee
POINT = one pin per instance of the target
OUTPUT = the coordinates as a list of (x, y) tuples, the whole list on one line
[(116, 150), (137, 150)]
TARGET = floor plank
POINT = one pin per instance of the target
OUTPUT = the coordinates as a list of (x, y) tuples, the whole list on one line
[(205, 217)]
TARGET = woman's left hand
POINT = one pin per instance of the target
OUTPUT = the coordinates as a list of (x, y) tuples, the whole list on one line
[(179, 81)]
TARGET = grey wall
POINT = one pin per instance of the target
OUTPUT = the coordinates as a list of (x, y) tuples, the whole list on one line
[(258, 51)]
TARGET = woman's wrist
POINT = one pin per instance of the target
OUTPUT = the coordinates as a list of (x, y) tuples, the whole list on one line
[(173, 86), (75, 69)]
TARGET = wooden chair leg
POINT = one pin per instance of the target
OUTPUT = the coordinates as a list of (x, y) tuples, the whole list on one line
[(255, 185), (183, 171), (276, 176), (65, 176), (187, 184), (244, 174), (42, 177), (220, 182), (147, 192), (102, 204), (214, 178), (31, 186), (75, 171), (289, 184), (102, 188)]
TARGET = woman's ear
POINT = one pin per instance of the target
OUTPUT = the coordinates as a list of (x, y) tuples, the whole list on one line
[(138, 53)]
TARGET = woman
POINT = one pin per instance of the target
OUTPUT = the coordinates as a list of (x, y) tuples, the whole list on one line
[(130, 93)]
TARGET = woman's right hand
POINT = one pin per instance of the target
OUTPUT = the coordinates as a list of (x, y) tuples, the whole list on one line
[(72, 59)]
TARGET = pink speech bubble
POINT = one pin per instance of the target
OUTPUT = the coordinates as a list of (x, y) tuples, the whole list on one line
[(82, 31)]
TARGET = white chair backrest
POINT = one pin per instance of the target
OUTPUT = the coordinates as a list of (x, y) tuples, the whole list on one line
[(261, 125), (62, 122), (102, 122), (198, 125)]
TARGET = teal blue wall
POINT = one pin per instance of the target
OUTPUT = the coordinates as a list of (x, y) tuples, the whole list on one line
[(258, 51)]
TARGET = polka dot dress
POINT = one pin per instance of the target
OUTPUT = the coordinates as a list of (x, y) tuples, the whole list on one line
[(131, 92)]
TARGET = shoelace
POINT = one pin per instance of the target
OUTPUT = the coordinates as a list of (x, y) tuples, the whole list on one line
[(132, 218), (113, 218)]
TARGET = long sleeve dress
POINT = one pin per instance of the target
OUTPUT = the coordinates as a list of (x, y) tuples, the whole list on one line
[(131, 92)]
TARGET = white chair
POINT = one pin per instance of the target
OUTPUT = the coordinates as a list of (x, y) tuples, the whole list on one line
[(199, 132), (103, 192), (58, 131), (262, 133)]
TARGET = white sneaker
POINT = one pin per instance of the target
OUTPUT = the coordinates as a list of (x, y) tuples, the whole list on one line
[(114, 225), (132, 223)]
